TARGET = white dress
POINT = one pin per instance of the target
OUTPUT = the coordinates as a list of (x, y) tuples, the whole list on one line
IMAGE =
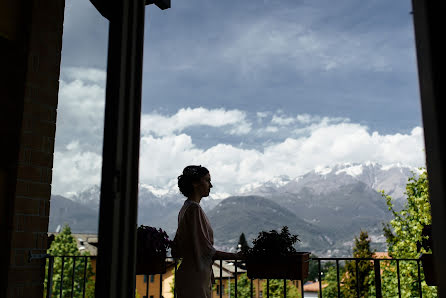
[(194, 243)]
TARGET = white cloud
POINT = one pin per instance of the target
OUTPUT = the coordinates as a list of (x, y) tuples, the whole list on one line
[(80, 122), (80, 113), (271, 129), (304, 118), (75, 169), (282, 121), (261, 116), (92, 75), (304, 122), (275, 40), (161, 125), (162, 159), (308, 123), (313, 141)]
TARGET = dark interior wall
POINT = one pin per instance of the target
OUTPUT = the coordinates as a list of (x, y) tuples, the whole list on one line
[(30, 52), (13, 52)]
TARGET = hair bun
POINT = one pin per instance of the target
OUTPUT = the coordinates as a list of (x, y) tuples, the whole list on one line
[(190, 174), (192, 170)]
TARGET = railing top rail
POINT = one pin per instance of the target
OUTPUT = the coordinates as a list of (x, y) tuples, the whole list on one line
[(46, 256), (243, 259), (363, 259), (73, 256)]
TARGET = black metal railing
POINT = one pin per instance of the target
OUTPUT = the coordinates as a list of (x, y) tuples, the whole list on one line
[(377, 274), (67, 276), (71, 277)]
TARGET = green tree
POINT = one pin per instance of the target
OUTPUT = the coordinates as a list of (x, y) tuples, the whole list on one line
[(243, 287), (276, 289), (242, 242), (330, 279), (313, 268), (65, 245), (172, 283), (137, 294), (402, 234), (361, 274)]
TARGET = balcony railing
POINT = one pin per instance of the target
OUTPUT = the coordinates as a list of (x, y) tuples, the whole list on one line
[(75, 268), (377, 274), (71, 276)]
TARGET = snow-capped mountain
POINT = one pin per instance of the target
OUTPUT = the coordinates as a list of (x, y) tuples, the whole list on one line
[(337, 202), (156, 206), (265, 188), (341, 200), (88, 197), (390, 178), (147, 195)]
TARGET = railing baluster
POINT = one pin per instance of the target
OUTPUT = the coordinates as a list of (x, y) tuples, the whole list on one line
[(61, 277), (320, 278), (147, 284), (337, 278), (174, 281), (49, 285), (252, 288), (221, 278), (73, 276), (236, 279), (267, 288), (419, 279), (161, 285), (85, 276), (376, 266), (284, 287), (358, 293), (398, 274)]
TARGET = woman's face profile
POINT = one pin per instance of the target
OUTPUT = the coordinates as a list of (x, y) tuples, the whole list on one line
[(203, 186)]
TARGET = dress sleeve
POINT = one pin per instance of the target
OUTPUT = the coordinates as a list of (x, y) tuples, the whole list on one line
[(201, 244)]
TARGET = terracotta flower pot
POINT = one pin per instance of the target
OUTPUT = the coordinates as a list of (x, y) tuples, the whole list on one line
[(149, 264), (427, 261), (294, 267)]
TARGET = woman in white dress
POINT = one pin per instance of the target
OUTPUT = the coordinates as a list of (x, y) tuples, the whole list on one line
[(194, 239)]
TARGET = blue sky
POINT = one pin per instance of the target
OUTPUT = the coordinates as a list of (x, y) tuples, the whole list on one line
[(255, 89)]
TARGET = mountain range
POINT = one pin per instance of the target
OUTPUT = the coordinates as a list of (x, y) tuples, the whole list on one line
[(326, 207)]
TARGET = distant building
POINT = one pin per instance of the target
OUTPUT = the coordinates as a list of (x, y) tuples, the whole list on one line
[(311, 289), (381, 255)]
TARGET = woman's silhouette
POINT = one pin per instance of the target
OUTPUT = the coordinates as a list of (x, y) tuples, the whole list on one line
[(194, 238)]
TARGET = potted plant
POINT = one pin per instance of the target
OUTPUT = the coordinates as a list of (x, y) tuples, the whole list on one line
[(273, 256), (151, 249)]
